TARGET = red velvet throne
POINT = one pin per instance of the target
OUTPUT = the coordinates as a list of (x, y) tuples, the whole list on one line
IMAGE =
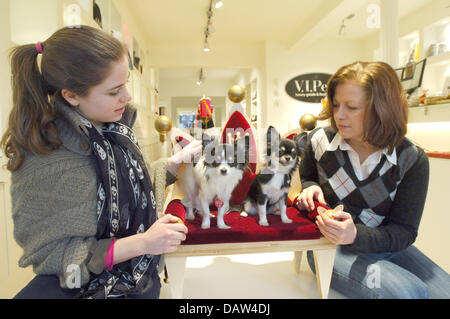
[(245, 234)]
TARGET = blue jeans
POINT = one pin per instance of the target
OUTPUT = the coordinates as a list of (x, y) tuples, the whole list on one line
[(407, 274)]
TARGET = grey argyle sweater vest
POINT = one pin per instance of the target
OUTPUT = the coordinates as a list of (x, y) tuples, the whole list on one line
[(369, 201)]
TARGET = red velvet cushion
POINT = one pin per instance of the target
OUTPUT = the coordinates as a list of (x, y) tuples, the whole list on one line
[(245, 229)]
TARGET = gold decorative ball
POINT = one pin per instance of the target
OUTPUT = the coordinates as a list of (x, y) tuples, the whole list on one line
[(163, 125), (236, 93), (308, 122)]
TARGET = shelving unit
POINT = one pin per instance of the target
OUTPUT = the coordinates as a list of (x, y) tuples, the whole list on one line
[(433, 43), (429, 113)]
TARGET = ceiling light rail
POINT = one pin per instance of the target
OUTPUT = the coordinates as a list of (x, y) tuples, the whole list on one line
[(209, 27)]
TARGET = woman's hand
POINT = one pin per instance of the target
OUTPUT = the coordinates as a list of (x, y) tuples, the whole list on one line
[(305, 201), (164, 236), (340, 231), (185, 155)]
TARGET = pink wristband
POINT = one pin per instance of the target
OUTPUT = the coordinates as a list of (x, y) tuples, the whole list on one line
[(109, 258)]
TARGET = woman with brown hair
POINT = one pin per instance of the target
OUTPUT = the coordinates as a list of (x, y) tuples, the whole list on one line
[(83, 202), (364, 162)]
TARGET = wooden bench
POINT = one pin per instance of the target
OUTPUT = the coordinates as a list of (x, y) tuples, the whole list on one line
[(323, 250), (302, 235)]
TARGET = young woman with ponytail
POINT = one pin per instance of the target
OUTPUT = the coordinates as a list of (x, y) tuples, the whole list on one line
[(85, 207)]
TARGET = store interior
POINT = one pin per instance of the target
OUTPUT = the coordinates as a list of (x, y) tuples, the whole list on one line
[(182, 51)]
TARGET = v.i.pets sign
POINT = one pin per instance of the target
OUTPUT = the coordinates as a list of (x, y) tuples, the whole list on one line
[(310, 88)]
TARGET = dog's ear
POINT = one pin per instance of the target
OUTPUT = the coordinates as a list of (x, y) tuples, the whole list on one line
[(247, 148), (207, 139), (209, 149), (241, 149), (273, 140)]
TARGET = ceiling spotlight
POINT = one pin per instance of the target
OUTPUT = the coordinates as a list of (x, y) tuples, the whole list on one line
[(200, 77), (342, 29), (210, 29), (206, 47)]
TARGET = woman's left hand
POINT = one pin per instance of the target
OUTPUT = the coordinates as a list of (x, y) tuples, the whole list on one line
[(188, 153), (340, 231), (185, 155)]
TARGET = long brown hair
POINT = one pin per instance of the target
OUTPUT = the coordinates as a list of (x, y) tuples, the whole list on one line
[(73, 58), (386, 115)]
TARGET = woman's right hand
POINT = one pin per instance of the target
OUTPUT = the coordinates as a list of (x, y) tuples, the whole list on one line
[(305, 201), (164, 236)]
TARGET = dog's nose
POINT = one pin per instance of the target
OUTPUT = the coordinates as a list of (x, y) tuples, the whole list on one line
[(223, 171), (288, 158)]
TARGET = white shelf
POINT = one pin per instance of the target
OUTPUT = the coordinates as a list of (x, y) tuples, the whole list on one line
[(429, 113), (437, 59)]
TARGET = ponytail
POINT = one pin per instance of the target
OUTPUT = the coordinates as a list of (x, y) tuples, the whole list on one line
[(31, 124), (75, 59)]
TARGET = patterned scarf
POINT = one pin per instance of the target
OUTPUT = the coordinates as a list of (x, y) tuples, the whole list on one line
[(125, 206)]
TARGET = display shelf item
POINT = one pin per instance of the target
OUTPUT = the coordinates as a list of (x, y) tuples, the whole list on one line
[(439, 59), (437, 38), (429, 113), (409, 46)]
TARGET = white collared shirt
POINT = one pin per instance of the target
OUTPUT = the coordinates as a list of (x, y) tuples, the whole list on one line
[(362, 171)]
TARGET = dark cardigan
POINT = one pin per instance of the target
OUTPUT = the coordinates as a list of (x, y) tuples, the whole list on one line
[(395, 196)]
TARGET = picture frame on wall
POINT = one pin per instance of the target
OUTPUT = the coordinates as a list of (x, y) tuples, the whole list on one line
[(412, 75), (408, 71)]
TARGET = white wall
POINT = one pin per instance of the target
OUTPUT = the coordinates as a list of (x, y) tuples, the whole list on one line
[(284, 64), (12, 277), (434, 238)]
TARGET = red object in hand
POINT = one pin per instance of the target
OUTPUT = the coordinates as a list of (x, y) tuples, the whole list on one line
[(182, 141), (312, 214)]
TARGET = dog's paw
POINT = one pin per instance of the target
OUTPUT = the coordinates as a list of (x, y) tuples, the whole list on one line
[(223, 226), (190, 216), (264, 223), (206, 225), (286, 220), (244, 214)]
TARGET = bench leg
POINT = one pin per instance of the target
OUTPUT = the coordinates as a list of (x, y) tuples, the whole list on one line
[(175, 269), (324, 261), (297, 261)]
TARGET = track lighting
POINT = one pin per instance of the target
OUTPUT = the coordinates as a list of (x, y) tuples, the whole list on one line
[(342, 28), (209, 27), (206, 47), (200, 77)]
